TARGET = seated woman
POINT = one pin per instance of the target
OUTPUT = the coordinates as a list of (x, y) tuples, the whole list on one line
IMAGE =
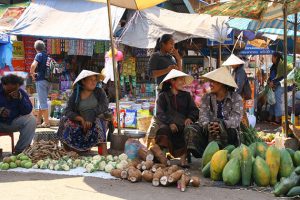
[(82, 126), (221, 113), (175, 110)]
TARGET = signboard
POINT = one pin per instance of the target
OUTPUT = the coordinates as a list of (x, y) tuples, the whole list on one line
[(252, 50), (228, 41), (4, 38), (18, 51)]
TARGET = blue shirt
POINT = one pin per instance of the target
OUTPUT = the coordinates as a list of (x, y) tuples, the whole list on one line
[(17, 107), (41, 58)]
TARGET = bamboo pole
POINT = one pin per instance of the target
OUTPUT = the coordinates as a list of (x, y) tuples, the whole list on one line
[(116, 74), (295, 48), (285, 69)]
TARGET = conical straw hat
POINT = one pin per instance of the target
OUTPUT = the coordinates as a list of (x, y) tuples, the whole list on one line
[(176, 73), (86, 73), (233, 60), (221, 75)]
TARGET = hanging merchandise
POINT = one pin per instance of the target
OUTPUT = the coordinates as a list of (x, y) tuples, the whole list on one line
[(6, 56), (29, 51), (81, 47), (108, 69)]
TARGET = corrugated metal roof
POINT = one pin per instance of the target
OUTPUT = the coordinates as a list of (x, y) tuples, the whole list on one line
[(182, 6)]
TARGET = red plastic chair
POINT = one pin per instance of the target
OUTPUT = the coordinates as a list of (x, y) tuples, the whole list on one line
[(11, 135)]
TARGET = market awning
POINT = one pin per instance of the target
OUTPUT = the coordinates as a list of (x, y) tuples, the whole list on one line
[(148, 25), (67, 19)]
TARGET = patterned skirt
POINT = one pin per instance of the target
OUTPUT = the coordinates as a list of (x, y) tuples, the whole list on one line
[(71, 133)]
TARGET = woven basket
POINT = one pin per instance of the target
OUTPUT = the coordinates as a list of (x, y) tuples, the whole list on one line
[(144, 123), (54, 122), (46, 136)]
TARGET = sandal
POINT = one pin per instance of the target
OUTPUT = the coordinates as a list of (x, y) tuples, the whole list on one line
[(44, 125)]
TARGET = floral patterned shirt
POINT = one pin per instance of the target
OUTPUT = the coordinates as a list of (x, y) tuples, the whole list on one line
[(232, 110)]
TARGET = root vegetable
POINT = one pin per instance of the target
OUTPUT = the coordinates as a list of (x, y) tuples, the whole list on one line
[(158, 153), (116, 173), (124, 174), (147, 175), (147, 165), (175, 176), (157, 166), (134, 175), (183, 182), (172, 169), (139, 166), (134, 163), (164, 180), (156, 177), (144, 154), (195, 181)]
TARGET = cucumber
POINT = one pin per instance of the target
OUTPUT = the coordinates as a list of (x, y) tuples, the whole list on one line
[(286, 184), (295, 191)]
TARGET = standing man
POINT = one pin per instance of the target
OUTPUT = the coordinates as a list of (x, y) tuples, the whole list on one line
[(38, 72), (15, 109)]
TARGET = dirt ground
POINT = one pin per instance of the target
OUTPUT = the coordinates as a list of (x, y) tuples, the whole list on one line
[(36, 186)]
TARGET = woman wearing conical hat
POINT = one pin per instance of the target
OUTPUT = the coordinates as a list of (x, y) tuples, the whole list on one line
[(175, 110), (220, 115), (81, 127)]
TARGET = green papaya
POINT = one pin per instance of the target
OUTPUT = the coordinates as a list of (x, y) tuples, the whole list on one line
[(209, 151), (273, 161), (246, 165), (286, 164), (252, 148), (261, 149), (206, 170), (217, 164), (292, 153), (232, 172), (236, 153), (261, 172), (297, 158), (229, 148)]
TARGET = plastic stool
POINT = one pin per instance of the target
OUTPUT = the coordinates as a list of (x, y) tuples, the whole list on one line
[(11, 135)]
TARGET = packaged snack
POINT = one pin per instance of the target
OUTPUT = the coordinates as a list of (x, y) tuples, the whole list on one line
[(131, 119)]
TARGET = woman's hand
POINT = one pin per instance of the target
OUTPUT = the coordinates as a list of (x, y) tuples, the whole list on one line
[(173, 128), (188, 122), (214, 127), (176, 54)]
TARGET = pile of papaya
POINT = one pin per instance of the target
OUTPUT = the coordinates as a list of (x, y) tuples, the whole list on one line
[(257, 164)]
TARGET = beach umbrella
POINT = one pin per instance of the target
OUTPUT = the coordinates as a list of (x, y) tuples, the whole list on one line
[(129, 4), (262, 10)]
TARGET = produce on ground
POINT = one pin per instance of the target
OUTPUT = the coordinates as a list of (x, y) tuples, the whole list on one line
[(256, 164), (12, 162), (41, 150)]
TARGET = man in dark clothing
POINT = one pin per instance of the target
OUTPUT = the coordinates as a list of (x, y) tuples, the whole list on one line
[(15, 109)]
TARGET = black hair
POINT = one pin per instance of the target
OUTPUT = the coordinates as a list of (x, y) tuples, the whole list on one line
[(230, 89), (12, 79), (278, 56), (163, 39), (167, 85)]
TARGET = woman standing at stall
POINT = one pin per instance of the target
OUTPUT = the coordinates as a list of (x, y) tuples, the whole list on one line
[(175, 110), (83, 125), (276, 75), (165, 58), (221, 113)]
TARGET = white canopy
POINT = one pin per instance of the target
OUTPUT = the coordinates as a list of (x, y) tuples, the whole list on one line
[(70, 19), (148, 25)]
